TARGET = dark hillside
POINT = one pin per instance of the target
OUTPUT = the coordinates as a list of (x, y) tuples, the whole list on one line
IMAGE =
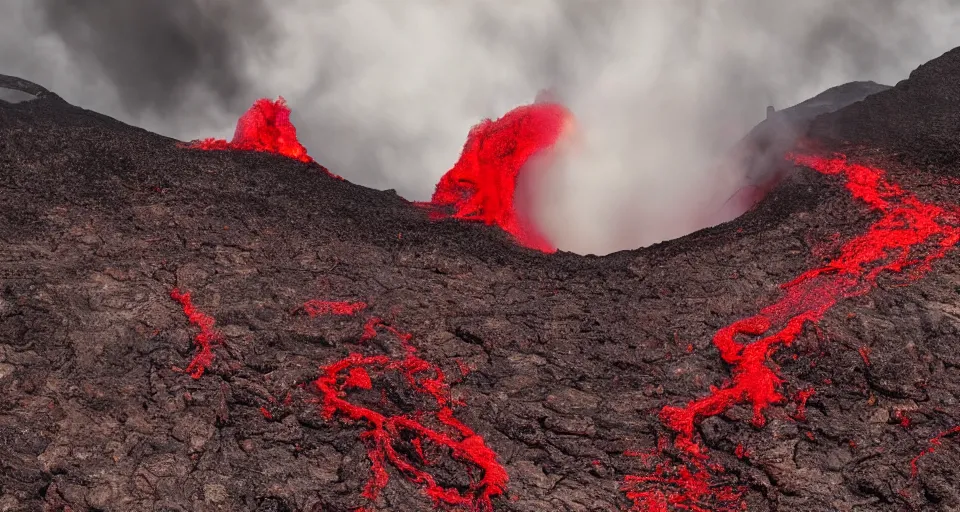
[(528, 381)]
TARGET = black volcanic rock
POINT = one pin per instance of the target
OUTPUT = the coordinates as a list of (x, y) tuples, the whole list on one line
[(779, 132), (918, 119), (831, 100), (756, 161), (17, 90), (570, 358)]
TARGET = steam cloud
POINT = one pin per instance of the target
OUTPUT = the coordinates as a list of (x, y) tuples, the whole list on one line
[(384, 93)]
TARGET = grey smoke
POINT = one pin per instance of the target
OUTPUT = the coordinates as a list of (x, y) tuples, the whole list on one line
[(384, 93), (152, 50)]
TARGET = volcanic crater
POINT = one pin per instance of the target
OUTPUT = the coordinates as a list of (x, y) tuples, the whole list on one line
[(229, 326)]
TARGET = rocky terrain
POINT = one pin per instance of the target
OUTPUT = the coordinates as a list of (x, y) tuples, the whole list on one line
[(234, 330)]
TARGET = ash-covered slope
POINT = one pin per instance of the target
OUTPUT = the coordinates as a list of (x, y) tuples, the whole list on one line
[(777, 134), (566, 381), (918, 119), (756, 161), (831, 100)]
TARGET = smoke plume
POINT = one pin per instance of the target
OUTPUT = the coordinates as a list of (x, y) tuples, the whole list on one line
[(384, 93)]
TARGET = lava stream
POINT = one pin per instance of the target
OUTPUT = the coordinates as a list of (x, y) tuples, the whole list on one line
[(204, 340), (889, 244), (385, 432), (909, 236)]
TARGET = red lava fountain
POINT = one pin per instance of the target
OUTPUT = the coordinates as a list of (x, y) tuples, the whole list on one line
[(908, 237), (265, 127), (481, 185)]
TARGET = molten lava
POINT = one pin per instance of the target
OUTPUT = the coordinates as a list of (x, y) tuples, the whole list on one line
[(934, 443), (481, 185), (204, 340), (265, 127), (681, 487), (325, 307), (905, 226), (386, 433), (909, 236)]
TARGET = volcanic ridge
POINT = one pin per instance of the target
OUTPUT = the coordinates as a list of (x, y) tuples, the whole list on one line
[(227, 325)]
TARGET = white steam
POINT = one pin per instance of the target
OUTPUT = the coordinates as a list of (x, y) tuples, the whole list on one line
[(385, 92)]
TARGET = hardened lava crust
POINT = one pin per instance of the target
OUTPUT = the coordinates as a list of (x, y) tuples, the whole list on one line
[(186, 330)]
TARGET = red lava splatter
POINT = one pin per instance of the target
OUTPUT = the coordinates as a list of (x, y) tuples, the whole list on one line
[(204, 340), (902, 417), (481, 185), (741, 451), (385, 432), (801, 397), (934, 443), (266, 413), (892, 243), (865, 355), (340, 308)]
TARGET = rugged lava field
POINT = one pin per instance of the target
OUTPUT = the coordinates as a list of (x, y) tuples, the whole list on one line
[(183, 329)]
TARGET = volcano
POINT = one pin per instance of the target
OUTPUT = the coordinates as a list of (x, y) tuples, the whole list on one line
[(232, 330)]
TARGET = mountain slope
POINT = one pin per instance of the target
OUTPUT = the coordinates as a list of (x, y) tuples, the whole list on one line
[(562, 366)]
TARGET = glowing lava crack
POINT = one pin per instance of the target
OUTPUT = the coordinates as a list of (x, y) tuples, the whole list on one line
[(909, 236), (437, 427), (204, 340), (400, 440)]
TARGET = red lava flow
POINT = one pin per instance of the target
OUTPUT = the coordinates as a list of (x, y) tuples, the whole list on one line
[(481, 185), (385, 432), (908, 236), (204, 340), (934, 443)]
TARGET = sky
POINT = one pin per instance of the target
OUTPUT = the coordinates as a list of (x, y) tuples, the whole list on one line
[(384, 92)]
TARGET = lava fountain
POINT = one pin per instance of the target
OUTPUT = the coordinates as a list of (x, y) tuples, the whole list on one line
[(482, 185)]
